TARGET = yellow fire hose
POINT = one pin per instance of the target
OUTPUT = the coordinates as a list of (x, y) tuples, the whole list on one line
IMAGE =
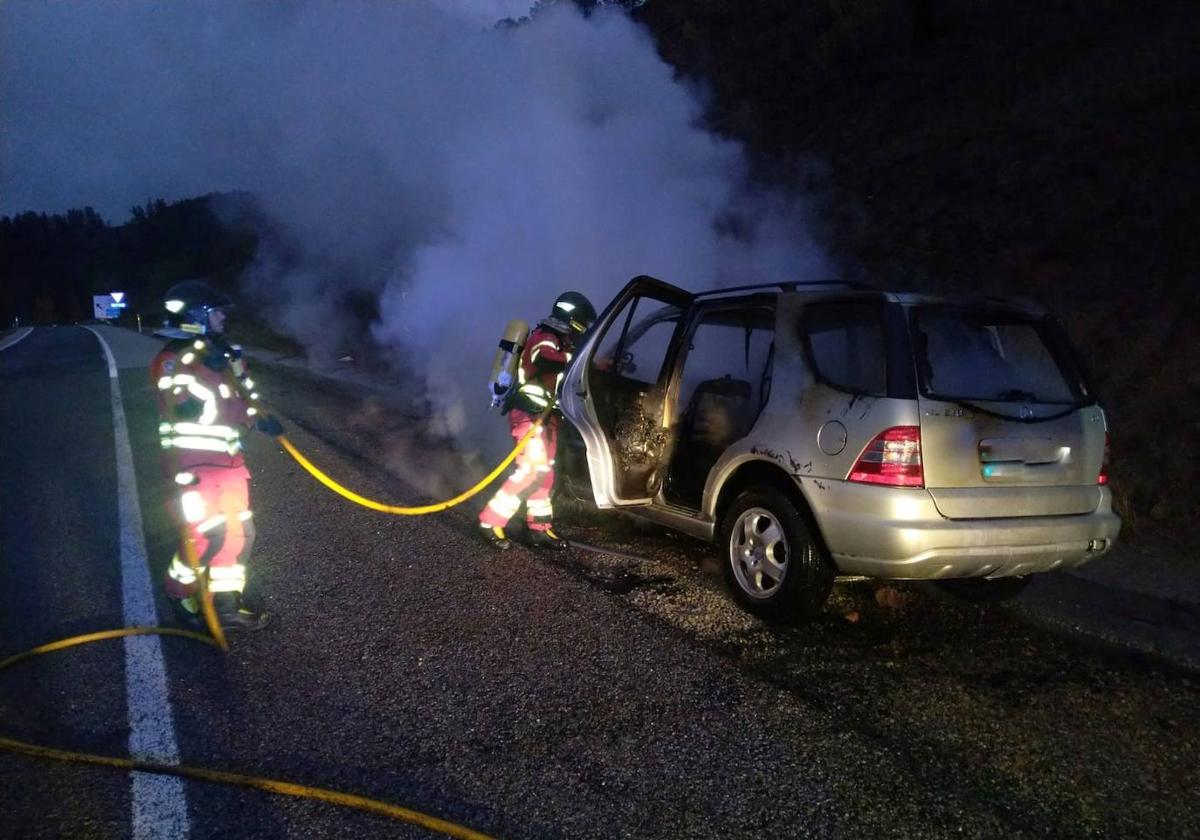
[(217, 639), (361, 803), (420, 510)]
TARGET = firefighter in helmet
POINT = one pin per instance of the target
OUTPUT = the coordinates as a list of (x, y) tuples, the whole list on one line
[(539, 374), (205, 400)]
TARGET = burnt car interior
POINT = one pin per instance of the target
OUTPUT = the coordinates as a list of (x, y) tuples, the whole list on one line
[(626, 380), (724, 382)]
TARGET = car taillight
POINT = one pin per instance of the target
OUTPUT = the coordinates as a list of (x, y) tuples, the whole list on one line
[(1103, 477), (893, 458)]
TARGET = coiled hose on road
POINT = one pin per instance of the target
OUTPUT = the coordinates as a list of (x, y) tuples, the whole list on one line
[(217, 639)]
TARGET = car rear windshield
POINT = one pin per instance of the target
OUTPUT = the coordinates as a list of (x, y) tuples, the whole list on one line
[(994, 355)]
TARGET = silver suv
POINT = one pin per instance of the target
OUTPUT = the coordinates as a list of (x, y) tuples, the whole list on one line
[(817, 430)]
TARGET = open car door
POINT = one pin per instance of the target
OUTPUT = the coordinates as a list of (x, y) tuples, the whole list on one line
[(615, 389)]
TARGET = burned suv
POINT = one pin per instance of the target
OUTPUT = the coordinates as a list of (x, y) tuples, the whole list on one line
[(817, 430)]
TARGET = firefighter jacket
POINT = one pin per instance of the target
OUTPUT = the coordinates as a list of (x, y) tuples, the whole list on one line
[(205, 400), (540, 373)]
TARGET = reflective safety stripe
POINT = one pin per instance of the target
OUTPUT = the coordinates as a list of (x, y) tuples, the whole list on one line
[(209, 413), (251, 411), (207, 444), (224, 389), (536, 394), (193, 505), (539, 507), (245, 515), (227, 578), (544, 468), (205, 395), (537, 348), (185, 478), (214, 430), (199, 345), (254, 395), (504, 504), (164, 428), (248, 382), (502, 510), (188, 358), (165, 382), (210, 523), (180, 571)]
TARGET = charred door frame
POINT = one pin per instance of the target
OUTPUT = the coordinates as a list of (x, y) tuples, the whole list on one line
[(576, 398)]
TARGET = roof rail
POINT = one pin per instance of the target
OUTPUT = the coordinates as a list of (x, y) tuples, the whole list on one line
[(1016, 302), (786, 286)]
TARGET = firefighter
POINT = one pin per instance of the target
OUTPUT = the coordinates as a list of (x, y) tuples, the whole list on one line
[(545, 357), (205, 400)]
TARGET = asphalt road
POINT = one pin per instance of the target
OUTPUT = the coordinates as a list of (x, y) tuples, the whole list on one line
[(586, 695)]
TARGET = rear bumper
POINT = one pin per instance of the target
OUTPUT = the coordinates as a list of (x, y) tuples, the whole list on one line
[(899, 533)]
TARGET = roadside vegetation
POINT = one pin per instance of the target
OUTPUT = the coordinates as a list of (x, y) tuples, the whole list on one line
[(1030, 148)]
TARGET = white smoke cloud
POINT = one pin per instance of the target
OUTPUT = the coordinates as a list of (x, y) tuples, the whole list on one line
[(457, 173)]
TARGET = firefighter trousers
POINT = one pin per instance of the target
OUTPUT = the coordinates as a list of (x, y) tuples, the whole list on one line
[(531, 482), (214, 512)]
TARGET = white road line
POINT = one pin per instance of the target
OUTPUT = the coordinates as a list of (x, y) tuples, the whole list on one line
[(159, 802), (13, 339)]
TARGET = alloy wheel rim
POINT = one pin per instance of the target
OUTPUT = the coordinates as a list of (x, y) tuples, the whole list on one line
[(758, 553)]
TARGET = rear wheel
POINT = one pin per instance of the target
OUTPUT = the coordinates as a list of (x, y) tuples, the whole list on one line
[(985, 590), (772, 564)]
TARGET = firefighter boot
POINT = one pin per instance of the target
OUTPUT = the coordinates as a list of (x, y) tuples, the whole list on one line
[(497, 538), (187, 612), (547, 539), (234, 615)]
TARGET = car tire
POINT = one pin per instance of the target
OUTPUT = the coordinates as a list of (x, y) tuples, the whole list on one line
[(984, 590), (772, 564)]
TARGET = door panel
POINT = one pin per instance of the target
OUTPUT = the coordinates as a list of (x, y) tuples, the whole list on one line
[(614, 391)]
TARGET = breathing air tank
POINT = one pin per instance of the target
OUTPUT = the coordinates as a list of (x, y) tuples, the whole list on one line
[(508, 357)]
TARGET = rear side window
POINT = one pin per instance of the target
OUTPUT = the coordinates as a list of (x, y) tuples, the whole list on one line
[(972, 354), (846, 347), (728, 367)]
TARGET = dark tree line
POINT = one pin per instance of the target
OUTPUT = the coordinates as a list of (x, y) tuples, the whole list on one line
[(52, 265)]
